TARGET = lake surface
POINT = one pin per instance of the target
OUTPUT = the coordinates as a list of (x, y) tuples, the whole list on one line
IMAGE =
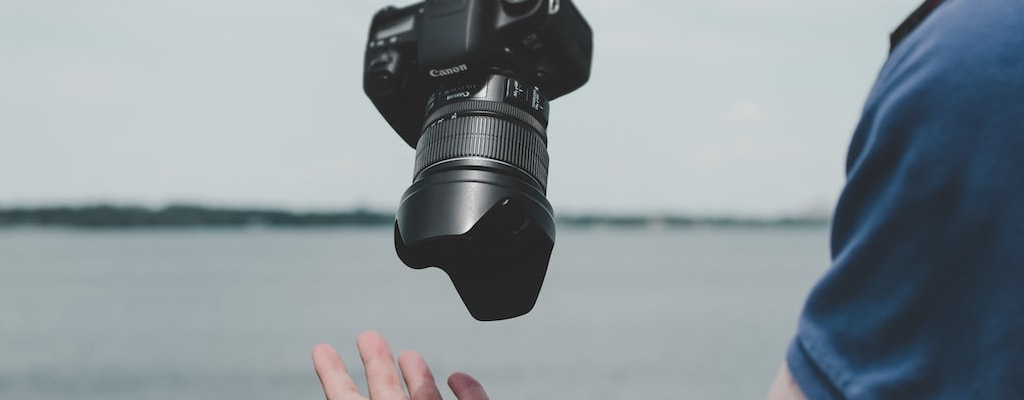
[(702, 313)]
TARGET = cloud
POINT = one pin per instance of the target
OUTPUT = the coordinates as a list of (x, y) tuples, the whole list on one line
[(748, 133), (746, 113)]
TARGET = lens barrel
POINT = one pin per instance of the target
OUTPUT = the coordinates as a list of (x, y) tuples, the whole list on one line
[(477, 207), (499, 133)]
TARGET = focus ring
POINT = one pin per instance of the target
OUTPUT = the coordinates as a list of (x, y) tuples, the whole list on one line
[(484, 136), (478, 106)]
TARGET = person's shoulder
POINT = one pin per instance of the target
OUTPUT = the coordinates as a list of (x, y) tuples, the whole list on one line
[(956, 74), (962, 42)]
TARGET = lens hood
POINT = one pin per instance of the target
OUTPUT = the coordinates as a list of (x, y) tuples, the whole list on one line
[(489, 231)]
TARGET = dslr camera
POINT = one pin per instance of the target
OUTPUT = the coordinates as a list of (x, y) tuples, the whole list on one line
[(467, 84)]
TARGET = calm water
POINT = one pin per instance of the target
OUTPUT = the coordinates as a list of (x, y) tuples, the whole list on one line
[(627, 314)]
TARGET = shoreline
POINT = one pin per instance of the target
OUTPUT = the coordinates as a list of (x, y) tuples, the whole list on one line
[(200, 217)]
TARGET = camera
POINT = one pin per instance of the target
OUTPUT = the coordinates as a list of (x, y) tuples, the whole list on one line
[(467, 83)]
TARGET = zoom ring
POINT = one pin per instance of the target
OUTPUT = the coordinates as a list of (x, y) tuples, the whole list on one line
[(484, 136)]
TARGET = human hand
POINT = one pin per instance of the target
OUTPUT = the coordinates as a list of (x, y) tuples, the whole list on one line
[(382, 377)]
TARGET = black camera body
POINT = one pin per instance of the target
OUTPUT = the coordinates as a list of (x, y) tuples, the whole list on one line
[(467, 83), (416, 50)]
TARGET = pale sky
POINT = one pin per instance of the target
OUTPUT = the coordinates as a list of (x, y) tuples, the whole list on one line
[(706, 107)]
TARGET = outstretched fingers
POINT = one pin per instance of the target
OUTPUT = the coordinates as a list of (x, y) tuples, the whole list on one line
[(333, 375), (383, 378)]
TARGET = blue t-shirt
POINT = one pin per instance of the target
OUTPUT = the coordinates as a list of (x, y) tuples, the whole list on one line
[(924, 297)]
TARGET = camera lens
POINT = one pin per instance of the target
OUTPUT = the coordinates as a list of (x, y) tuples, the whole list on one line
[(477, 207)]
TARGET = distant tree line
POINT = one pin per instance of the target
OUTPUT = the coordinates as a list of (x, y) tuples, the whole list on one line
[(185, 216), (676, 221), (103, 216)]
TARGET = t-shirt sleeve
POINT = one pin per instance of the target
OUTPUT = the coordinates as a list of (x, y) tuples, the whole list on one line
[(923, 299)]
